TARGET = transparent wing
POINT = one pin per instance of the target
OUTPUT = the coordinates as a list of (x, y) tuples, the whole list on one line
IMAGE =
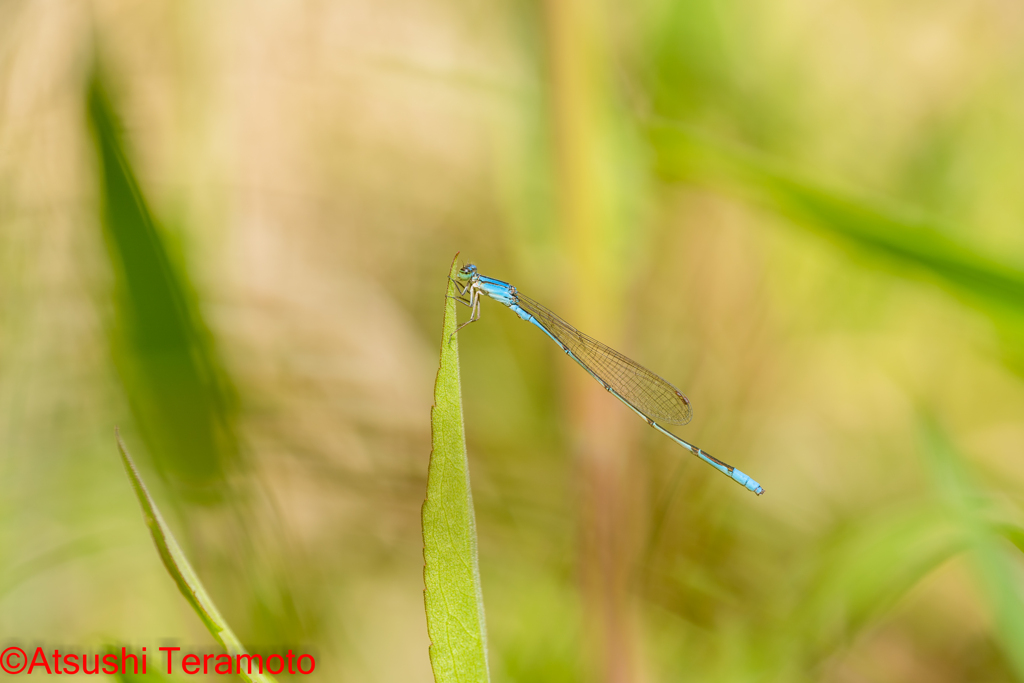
[(648, 392)]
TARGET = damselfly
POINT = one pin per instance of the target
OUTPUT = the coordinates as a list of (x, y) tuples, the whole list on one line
[(645, 393)]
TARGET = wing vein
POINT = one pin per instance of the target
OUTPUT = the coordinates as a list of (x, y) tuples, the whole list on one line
[(646, 391)]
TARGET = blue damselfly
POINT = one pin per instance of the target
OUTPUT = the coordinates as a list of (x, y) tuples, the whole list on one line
[(645, 393)]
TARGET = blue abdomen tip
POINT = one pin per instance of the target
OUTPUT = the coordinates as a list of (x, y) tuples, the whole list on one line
[(752, 485)]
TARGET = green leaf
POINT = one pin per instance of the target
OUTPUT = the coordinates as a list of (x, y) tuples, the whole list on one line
[(990, 545), (906, 241), (848, 593), (453, 599), (176, 385), (181, 571)]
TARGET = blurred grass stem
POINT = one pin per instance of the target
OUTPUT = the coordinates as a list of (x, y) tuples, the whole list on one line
[(581, 118)]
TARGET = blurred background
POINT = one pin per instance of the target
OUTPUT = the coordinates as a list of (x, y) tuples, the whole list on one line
[(225, 227)]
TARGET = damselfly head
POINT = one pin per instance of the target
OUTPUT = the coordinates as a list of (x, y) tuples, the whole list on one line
[(467, 272)]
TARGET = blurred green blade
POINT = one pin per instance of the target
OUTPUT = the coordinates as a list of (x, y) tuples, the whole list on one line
[(180, 570), (174, 382), (903, 241), (453, 598), (848, 593), (996, 567), (1012, 533)]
